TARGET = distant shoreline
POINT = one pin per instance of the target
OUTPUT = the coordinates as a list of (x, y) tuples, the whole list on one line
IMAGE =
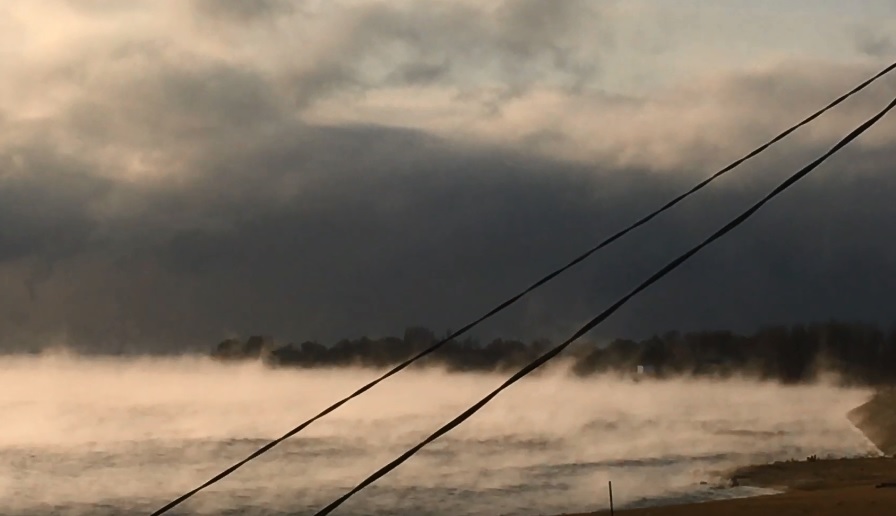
[(857, 354)]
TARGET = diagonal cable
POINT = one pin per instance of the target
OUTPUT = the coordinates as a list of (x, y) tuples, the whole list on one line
[(671, 266), (500, 307)]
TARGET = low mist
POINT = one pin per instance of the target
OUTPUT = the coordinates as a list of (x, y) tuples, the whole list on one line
[(113, 436)]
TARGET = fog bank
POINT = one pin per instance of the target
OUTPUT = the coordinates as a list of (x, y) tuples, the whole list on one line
[(112, 436)]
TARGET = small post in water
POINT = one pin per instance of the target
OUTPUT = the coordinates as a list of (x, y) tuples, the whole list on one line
[(610, 485)]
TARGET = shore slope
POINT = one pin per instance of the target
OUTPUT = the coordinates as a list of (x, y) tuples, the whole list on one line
[(857, 487)]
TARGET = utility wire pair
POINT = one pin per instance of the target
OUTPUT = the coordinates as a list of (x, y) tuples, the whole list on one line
[(584, 329)]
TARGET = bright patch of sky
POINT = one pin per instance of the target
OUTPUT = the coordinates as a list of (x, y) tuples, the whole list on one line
[(659, 42)]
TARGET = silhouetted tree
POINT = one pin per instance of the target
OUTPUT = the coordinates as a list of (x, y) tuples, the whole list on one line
[(860, 353)]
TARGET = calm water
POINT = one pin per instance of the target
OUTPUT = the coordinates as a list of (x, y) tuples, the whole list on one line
[(124, 436)]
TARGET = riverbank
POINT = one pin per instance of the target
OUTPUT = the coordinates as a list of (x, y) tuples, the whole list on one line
[(858, 487)]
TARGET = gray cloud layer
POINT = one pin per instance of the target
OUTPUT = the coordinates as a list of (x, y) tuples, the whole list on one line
[(162, 192)]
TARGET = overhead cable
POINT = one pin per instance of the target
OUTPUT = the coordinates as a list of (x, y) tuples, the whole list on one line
[(510, 301), (553, 352)]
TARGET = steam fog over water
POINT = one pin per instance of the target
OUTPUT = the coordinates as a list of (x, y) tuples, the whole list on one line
[(123, 436)]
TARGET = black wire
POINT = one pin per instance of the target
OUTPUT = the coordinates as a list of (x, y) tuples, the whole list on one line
[(518, 296), (671, 266)]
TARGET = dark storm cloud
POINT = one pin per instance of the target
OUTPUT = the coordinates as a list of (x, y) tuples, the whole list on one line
[(407, 229), (154, 197)]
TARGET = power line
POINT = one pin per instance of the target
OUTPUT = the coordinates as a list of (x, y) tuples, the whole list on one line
[(510, 301), (671, 266)]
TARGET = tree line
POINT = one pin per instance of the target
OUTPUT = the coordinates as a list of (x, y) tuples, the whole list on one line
[(860, 353)]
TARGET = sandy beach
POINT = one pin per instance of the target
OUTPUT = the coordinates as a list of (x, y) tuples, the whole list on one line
[(857, 487)]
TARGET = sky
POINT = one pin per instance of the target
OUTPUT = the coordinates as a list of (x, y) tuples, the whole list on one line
[(176, 172)]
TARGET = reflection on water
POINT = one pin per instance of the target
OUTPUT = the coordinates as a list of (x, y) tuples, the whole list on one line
[(124, 436)]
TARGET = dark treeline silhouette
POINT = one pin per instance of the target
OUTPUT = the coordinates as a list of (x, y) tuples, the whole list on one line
[(858, 353)]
